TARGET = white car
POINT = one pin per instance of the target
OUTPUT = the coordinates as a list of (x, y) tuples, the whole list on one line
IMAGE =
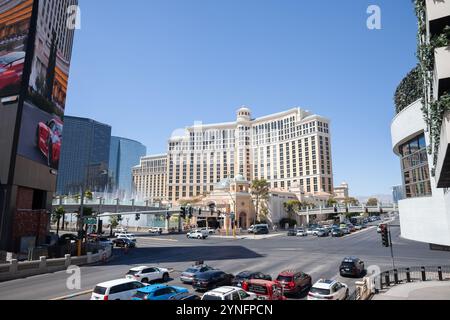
[(209, 230), (128, 236), (229, 293), (146, 274), (311, 232), (155, 230), (302, 232), (121, 289), (197, 234), (328, 290), (118, 231)]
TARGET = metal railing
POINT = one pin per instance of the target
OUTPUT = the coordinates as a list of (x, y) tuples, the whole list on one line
[(413, 274)]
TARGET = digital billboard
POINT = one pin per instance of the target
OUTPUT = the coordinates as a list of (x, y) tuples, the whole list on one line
[(44, 103)]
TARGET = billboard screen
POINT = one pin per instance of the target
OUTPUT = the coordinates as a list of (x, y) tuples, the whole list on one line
[(15, 19), (44, 104)]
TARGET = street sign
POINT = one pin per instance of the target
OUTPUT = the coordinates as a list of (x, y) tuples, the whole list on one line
[(90, 221)]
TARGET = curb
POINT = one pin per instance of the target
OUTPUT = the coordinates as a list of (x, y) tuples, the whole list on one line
[(74, 295)]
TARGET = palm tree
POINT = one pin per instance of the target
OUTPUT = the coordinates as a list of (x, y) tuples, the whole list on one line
[(260, 189), (57, 215), (114, 222), (291, 206)]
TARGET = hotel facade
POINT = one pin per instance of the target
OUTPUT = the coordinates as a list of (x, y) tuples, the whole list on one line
[(291, 148)]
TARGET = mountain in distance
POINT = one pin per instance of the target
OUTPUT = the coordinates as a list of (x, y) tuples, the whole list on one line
[(383, 198)]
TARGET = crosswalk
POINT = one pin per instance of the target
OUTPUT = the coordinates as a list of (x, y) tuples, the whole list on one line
[(161, 242)]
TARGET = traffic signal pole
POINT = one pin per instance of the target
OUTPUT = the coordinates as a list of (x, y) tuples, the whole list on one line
[(391, 245)]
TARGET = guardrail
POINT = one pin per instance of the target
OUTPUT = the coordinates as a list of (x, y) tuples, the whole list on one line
[(413, 274), (16, 270)]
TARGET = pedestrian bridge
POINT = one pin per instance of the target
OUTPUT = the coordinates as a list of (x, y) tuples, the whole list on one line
[(348, 209)]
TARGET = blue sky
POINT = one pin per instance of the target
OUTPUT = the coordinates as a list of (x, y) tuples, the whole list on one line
[(147, 67)]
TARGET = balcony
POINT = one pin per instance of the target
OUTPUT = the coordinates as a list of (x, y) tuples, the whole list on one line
[(442, 71), (438, 14), (443, 162)]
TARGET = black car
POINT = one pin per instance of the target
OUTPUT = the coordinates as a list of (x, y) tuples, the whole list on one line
[(124, 243), (261, 230), (212, 279), (67, 238), (292, 233), (352, 267), (337, 233), (185, 296), (249, 275)]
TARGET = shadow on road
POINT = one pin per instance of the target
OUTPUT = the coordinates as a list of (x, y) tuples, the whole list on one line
[(183, 254)]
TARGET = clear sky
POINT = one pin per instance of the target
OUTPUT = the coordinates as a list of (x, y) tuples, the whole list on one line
[(147, 67)]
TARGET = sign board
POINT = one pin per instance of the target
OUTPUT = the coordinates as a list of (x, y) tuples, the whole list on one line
[(90, 221)]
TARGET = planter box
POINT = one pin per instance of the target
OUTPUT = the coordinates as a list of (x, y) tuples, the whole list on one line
[(437, 9)]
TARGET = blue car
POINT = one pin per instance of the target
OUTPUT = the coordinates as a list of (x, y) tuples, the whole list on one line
[(158, 292)]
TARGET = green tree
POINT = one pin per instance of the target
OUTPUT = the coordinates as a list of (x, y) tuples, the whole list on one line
[(372, 202), (331, 202), (260, 190), (57, 215), (351, 201), (291, 207), (113, 223)]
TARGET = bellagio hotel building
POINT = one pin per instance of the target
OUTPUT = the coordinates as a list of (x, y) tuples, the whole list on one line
[(291, 148)]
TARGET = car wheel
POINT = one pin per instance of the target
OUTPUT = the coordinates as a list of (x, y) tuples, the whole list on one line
[(145, 280), (199, 237), (165, 277)]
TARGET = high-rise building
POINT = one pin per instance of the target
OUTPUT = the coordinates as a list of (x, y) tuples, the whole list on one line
[(85, 156), (288, 148), (420, 131), (150, 178), (124, 155), (398, 194)]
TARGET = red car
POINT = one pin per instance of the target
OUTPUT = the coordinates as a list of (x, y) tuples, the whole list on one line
[(11, 70), (264, 289), (49, 137), (294, 282)]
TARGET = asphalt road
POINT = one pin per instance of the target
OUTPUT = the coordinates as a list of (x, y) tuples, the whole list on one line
[(320, 257)]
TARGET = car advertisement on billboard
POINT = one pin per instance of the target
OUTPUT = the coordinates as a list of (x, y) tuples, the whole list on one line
[(15, 19), (44, 104)]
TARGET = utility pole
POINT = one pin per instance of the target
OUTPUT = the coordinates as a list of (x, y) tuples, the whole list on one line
[(391, 246)]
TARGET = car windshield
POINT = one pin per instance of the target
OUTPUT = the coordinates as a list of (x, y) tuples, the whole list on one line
[(258, 289), (191, 270), (204, 276), (100, 290), (11, 57), (323, 292), (284, 278), (243, 275), (348, 264), (211, 297)]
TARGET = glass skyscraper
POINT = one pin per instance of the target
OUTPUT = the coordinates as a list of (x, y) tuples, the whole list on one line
[(124, 155), (84, 156)]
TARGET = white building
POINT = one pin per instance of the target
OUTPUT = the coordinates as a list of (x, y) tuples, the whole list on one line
[(425, 213), (150, 177)]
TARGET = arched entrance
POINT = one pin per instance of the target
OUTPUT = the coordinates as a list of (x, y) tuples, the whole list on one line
[(243, 220)]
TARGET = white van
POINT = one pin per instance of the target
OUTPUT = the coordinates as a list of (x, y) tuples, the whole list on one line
[(121, 289)]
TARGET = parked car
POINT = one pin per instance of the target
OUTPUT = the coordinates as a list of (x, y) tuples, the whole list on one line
[(118, 231), (345, 231), (337, 233), (128, 236), (261, 229), (294, 282), (249, 275), (105, 242), (301, 232), (158, 292), (358, 227), (124, 243), (197, 234), (185, 296), (148, 274), (256, 227), (264, 289), (49, 137), (155, 230), (352, 266), (211, 279), (121, 289), (351, 228), (188, 275), (229, 293), (311, 232), (322, 233), (292, 233), (328, 290)]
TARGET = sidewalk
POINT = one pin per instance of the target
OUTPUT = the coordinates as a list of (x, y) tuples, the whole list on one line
[(430, 290)]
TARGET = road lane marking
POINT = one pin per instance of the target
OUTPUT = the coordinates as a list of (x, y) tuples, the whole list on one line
[(157, 239)]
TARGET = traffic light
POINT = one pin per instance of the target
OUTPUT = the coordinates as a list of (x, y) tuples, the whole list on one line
[(183, 213), (385, 236), (138, 217), (335, 209), (119, 218), (191, 211)]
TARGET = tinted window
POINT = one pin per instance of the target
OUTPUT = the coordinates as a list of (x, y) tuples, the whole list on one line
[(236, 296), (160, 292), (323, 292), (210, 297), (149, 270), (284, 279), (118, 288), (100, 290), (132, 272)]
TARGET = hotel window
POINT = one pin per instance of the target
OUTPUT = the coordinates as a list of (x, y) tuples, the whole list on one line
[(414, 161)]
